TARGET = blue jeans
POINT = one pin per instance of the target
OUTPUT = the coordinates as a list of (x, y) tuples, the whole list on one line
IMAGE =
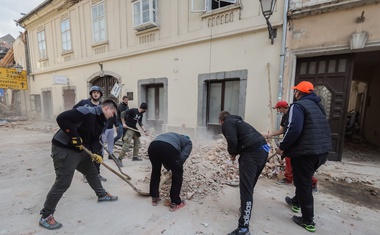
[(119, 133)]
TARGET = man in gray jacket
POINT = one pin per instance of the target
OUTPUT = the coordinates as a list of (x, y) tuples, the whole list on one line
[(171, 150)]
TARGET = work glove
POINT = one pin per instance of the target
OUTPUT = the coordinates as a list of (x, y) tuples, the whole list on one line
[(97, 158), (77, 142)]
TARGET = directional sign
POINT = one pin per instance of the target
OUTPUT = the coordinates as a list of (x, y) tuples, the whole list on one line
[(9, 78)]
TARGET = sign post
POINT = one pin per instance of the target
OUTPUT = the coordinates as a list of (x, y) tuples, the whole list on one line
[(9, 78)]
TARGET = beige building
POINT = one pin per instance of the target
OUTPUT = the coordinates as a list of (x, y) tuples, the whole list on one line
[(336, 46), (187, 59)]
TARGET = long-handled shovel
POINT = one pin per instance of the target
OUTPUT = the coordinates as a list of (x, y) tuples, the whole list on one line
[(133, 129), (118, 174), (116, 160)]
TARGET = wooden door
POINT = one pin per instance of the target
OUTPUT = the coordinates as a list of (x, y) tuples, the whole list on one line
[(331, 76)]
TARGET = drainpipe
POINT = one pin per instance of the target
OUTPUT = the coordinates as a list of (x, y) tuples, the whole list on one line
[(282, 55), (282, 58)]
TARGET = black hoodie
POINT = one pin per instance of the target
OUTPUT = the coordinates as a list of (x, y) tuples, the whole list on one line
[(241, 135)]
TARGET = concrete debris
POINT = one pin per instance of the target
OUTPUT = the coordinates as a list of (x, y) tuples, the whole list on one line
[(207, 170)]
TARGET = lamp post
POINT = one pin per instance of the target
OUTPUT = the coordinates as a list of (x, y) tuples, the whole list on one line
[(267, 7), (18, 68)]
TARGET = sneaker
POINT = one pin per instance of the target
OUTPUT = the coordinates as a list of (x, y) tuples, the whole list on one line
[(308, 226), (294, 207), (136, 159), (102, 178), (84, 179), (155, 200), (284, 181), (107, 198), (315, 190), (174, 207), (120, 162), (50, 223), (240, 231)]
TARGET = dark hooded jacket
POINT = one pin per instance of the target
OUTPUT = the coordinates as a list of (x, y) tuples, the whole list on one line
[(240, 135), (308, 131), (88, 123)]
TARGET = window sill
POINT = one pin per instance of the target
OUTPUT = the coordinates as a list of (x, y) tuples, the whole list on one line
[(221, 10), (148, 30), (43, 59), (97, 44), (146, 26), (67, 52)]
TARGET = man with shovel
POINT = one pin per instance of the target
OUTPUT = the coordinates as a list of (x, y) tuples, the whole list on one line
[(78, 127), (129, 119)]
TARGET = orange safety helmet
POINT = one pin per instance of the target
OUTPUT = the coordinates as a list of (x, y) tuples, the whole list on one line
[(304, 86)]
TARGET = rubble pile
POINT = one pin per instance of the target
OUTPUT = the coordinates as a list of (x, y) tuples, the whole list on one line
[(208, 170)]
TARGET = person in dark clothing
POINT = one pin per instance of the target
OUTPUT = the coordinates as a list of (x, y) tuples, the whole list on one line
[(171, 150), (283, 107), (78, 127), (130, 118), (94, 100), (244, 140), (123, 106), (307, 142)]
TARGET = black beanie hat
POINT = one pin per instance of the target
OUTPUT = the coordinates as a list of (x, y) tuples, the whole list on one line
[(143, 106)]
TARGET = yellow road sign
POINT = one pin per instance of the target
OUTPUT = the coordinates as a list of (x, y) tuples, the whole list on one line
[(9, 78)]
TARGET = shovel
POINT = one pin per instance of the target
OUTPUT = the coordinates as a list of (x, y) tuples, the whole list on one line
[(118, 174), (116, 160)]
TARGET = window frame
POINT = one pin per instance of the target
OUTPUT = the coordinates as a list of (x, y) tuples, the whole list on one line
[(41, 40), (152, 14), (97, 22), (66, 35), (206, 5)]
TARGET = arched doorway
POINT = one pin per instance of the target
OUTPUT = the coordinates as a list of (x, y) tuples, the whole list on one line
[(106, 83)]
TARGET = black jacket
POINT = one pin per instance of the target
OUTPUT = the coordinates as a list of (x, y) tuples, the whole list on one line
[(308, 130), (88, 123), (241, 135)]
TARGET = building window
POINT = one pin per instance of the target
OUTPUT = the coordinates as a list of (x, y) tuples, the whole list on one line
[(155, 102), (209, 5), (222, 95), (144, 14), (66, 36), (35, 103), (41, 44), (99, 23)]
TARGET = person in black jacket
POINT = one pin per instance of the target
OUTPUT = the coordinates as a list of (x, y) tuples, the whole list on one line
[(130, 118), (171, 150), (246, 141), (307, 142), (78, 127), (123, 106), (95, 94)]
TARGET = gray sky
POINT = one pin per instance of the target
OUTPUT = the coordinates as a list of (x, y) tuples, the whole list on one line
[(11, 10)]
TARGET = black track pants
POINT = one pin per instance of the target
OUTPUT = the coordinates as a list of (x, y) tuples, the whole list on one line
[(251, 163), (303, 171), (163, 153)]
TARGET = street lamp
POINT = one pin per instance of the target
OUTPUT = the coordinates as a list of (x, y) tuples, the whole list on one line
[(267, 7), (18, 68)]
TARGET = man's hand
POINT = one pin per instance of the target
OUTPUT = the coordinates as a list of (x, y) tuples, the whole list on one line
[(279, 151), (233, 158), (146, 132), (97, 158), (77, 142)]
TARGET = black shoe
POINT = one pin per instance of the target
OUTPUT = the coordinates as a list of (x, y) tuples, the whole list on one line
[(136, 159), (308, 226), (239, 232), (107, 198), (102, 178), (293, 206), (50, 223), (120, 162)]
